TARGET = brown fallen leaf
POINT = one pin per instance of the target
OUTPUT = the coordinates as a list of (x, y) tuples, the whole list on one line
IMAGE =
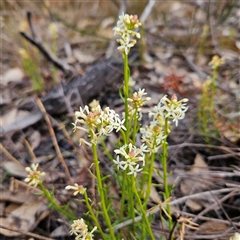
[(83, 57), (187, 185), (14, 169), (21, 121), (60, 232), (211, 227), (12, 75), (24, 218), (191, 186), (35, 139), (18, 196), (199, 165)]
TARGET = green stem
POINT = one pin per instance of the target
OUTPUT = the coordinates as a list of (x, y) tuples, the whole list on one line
[(150, 171), (135, 124), (144, 216), (131, 199), (165, 172), (213, 88), (101, 192), (125, 89), (54, 204), (123, 195), (92, 214)]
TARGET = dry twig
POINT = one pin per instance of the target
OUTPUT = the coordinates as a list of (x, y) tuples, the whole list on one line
[(54, 139), (35, 40)]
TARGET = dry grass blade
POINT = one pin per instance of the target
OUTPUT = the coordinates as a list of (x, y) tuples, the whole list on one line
[(54, 139)]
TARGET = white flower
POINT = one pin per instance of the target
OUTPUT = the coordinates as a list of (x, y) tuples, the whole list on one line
[(118, 163), (125, 28), (125, 44), (134, 170), (144, 148), (137, 100), (216, 62), (97, 122), (131, 156), (82, 141), (80, 229), (127, 164), (119, 124), (34, 176), (235, 237), (172, 109), (79, 189)]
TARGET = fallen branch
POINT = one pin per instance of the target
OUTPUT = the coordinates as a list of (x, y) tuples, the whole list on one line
[(35, 40)]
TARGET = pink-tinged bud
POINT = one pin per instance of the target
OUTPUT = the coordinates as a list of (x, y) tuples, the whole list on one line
[(174, 98), (131, 153), (90, 115)]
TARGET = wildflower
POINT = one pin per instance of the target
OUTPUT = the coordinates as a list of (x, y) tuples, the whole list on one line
[(125, 44), (235, 237), (79, 189), (125, 28), (170, 108), (23, 53), (216, 62), (83, 142), (152, 135), (34, 176), (174, 109), (132, 155), (118, 163), (119, 124), (80, 229), (135, 103), (97, 122), (134, 170), (138, 100), (53, 28)]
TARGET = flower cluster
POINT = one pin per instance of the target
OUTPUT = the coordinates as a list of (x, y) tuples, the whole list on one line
[(97, 122), (235, 237), (153, 135), (78, 189), (216, 62), (167, 109), (136, 102), (125, 28), (34, 176), (170, 109), (80, 229), (131, 155)]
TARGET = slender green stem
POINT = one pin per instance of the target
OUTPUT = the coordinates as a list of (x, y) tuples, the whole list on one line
[(124, 136), (54, 204), (131, 212), (150, 171), (144, 216), (101, 192), (213, 88), (165, 172), (135, 124), (126, 91), (123, 194), (92, 214)]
